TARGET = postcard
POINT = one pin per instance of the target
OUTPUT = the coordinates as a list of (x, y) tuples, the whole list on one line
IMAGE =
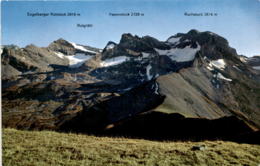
[(112, 82)]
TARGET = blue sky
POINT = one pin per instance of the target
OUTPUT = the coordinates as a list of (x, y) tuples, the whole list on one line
[(237, 20)]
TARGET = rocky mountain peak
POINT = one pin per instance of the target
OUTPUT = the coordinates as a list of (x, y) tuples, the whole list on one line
[(62, 46), (128, 37), (140, 43), (31, 46), (62, 41), (202, 38), (193, 32), (212, 45), (70, 48), (134, 43)]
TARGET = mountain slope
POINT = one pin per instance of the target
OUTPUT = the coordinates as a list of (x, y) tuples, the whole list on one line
[(80, 88)]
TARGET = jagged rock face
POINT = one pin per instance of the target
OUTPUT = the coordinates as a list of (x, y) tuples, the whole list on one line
[(136, 60), (79, 88)]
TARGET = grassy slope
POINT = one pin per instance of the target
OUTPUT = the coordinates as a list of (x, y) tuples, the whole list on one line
[(52, 148)]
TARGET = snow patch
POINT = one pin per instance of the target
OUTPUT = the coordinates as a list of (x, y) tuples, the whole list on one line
[(114, 61), (75, 78), (173, 40), (139, 58), (60, 55), (148, 72), (127, 89), (256, 67), (220, 64), (82, 48), (74, 60), (139, 72), (77, 60), (243, 59), (220, 76), (217, 86), (156, 88), (110, 46), (145, 55), (186, 40), (180, 54), (210, 68), (28, 72)]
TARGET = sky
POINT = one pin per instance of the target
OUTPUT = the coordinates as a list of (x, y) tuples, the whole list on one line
[(236, 20)]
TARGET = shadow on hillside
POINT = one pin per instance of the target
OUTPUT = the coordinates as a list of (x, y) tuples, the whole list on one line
[(160, 126)]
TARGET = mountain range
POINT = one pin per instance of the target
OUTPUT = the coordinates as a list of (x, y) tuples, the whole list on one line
[(193, 85)]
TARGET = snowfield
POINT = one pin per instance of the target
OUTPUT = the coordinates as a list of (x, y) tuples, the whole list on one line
[(114, 61), (74, 60), (77, 60), (82, 48), (180, 54)]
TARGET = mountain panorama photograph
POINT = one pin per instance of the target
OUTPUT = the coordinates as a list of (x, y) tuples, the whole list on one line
[(135, 83)]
